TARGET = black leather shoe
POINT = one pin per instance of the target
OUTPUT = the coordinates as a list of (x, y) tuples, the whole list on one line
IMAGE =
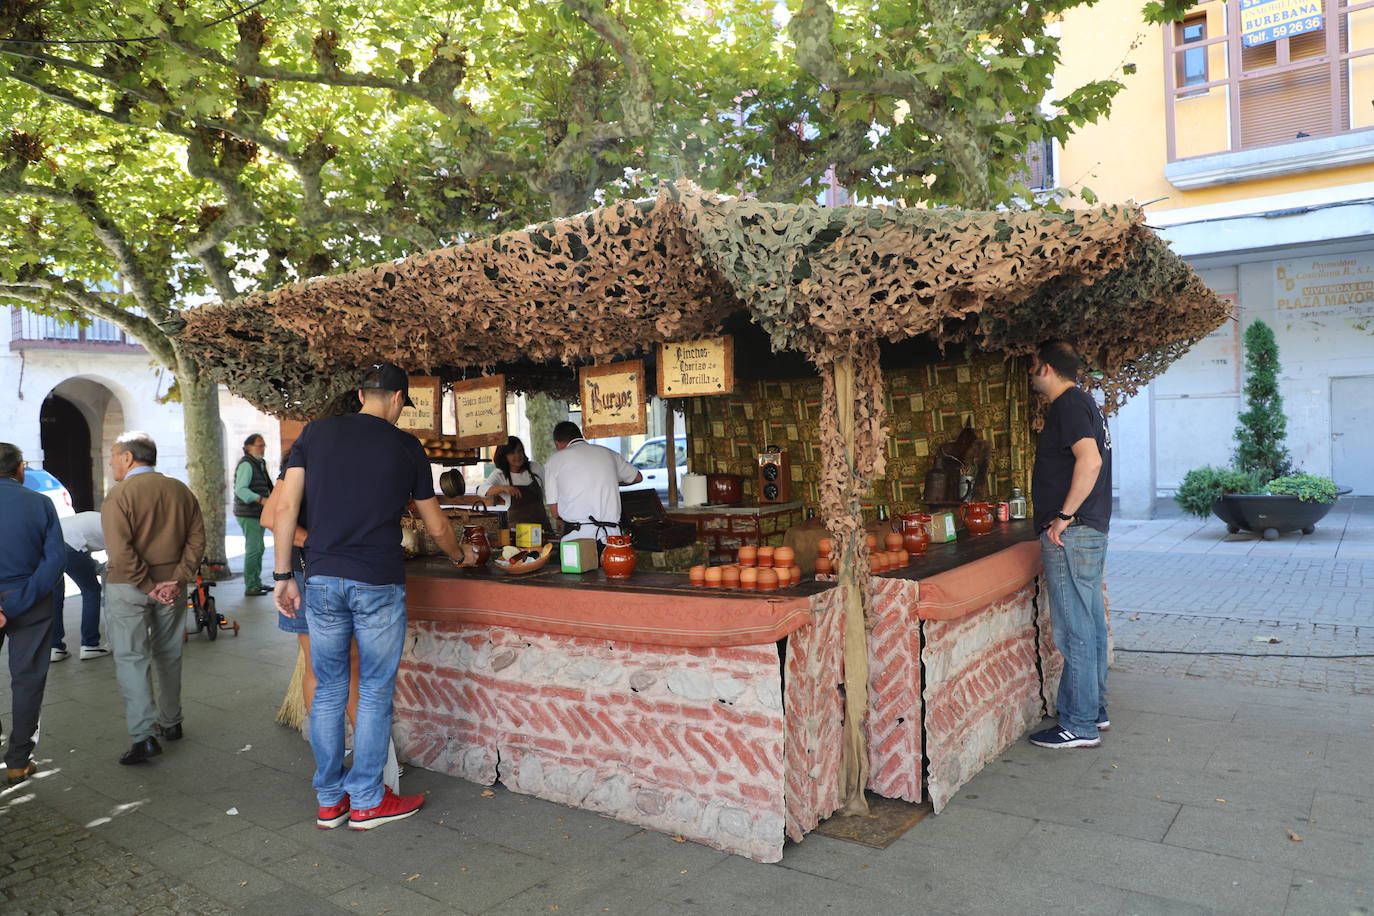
[(169, 733), (143, 750)]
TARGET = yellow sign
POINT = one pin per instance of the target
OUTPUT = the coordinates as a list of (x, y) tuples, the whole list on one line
[(1263, 21), (612, 399), (479, 409), (422, 420), (695, 367)]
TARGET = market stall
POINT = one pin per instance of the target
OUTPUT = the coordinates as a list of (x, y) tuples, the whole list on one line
[(908, 327)]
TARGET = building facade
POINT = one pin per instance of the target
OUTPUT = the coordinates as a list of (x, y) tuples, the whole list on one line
[(71, 390), (1248, 135)]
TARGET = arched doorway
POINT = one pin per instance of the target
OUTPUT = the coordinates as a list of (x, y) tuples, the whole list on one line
[(66, 440)]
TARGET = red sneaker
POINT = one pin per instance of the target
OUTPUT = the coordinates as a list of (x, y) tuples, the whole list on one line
[(332, 815), (392, 807)]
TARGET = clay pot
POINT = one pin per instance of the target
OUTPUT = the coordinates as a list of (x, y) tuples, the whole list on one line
[(979, 518), (724, 488), (787, 575), (713, 577), (618, 560), (697, 575), (729, 576), (825, 547), (768, 579), (748, 577), (903, 558), (765, 556), (872, 541), (475, 536), (895, 558), (915, 532), (783, 556), (748, 555), (824, 566), (892, 540)]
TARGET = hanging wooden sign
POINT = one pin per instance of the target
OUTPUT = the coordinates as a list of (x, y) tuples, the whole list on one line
[(692, 367), (422, 420), (613, 402), (479, 409)]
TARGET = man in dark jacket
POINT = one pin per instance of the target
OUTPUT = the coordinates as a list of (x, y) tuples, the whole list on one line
[(252, 486), (30, 566)]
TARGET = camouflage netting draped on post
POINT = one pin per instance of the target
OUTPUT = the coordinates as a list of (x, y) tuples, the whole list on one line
[(821, 280), (830, 282)]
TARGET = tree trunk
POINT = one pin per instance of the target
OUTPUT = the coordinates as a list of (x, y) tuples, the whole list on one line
[(204, 451)]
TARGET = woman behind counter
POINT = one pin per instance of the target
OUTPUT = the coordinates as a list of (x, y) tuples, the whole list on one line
[(519, 483)]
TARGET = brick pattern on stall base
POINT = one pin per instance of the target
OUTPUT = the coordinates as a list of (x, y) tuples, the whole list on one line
[(1051, 662), (982, 689), (895, 744), (687, 741), (815, 715)]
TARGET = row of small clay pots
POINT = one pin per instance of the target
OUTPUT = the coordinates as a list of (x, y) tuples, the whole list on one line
[(764, 557), (764, 578), (878, 561), (825, 547)]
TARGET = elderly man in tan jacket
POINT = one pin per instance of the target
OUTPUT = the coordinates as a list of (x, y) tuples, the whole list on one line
[(155, 540)]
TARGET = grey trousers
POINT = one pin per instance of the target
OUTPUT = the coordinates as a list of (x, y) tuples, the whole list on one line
[(29, 636), (144, 636)]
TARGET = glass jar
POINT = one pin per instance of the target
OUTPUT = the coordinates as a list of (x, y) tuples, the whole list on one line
[(1018, 503)]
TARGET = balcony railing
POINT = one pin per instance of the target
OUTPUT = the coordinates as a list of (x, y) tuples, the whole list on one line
[(1273, 74), (30, 331)]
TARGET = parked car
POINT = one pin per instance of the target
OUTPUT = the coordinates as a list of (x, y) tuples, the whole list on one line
[(650, 459), (41, 481)]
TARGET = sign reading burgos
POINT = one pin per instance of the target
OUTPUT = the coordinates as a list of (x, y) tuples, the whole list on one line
[(479, 409), (695, 367), (1263, 21), (422, 420), (613, 402)]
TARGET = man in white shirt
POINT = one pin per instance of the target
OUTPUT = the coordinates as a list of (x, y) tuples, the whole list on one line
[(582, 484), (83, 536)]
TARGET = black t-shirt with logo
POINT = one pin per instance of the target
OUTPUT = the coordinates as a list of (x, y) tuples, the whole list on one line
[(360, 471), (1072, 416)]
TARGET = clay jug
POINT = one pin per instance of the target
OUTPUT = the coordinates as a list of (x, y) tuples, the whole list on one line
[(979, 518), (475, 536), (618, 560), (915, 533)]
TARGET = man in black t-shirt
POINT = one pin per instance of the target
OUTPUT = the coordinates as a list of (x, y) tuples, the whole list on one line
[(357, 472), (1072, 488)]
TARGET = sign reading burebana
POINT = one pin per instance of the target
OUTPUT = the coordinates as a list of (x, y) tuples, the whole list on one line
[(1263, 21), (695, 367), (479, 410), (422, 420), (612, 399)]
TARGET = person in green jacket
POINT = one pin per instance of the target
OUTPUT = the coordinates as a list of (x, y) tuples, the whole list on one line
[(252, 486)]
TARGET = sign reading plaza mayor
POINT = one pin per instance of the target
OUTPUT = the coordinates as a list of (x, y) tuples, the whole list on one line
[(479, 411), (1263, 21), (422, 420), (1336, 288), (694, 367), (613, 402)]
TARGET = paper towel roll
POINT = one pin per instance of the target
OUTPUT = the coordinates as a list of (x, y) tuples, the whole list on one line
[(693, 489)]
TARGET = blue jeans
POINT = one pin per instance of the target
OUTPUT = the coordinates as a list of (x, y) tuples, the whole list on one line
[(1079, 616), (339, 611), (82, 568)]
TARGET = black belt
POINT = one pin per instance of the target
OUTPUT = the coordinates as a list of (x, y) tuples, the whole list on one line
[(570, 527)]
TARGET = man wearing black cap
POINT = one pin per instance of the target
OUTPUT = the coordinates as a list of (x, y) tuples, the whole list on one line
[(356, 472)]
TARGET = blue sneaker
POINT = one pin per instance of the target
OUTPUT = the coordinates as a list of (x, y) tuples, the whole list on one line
[(1059, 738)]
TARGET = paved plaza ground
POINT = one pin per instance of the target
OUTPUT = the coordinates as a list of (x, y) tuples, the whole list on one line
[(1237, 782)]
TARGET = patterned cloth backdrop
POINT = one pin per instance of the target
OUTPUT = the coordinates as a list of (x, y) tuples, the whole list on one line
[(927, 405)]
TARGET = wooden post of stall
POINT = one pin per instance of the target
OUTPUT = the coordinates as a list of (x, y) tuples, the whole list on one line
[(670, 451)]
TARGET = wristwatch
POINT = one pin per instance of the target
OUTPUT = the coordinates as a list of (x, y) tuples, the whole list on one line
[(282, 577), (1062, 517)]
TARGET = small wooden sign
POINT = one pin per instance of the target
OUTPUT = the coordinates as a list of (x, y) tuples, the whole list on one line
[(479, 409), (692, 367), (613, 402), (422, 420)]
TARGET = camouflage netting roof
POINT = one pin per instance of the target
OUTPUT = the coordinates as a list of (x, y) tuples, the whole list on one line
[(821, 280)]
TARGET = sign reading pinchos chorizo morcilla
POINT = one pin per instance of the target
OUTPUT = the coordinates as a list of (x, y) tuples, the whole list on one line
[(479, 408), (422, 420), (613, 401), (692, 367)]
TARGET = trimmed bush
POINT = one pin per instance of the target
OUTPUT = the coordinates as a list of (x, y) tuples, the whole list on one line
[(1310, 488), (1205, 485)]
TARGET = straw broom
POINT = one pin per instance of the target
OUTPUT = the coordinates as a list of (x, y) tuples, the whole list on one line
[(292, 709)]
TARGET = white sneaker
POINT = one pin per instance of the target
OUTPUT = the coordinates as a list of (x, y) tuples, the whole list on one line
[(58, 655), (94, 652)]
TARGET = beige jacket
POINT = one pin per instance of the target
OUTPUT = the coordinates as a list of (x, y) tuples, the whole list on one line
[(153, 531)]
